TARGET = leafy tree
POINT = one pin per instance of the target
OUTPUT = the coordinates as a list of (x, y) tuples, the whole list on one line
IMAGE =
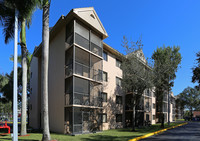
[(3, 81), (5, 110), (137, 75), (191, 98), (166, 63), (7, 89), (196, 71), (180, 104), (25, 10)]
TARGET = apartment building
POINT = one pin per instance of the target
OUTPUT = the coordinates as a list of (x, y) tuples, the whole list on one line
[(85, 93)]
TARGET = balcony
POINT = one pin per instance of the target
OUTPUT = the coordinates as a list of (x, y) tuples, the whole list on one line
[(83, 70), (83, 99), (68, 70), (88, 45), (148, 93), (82, 41), (96, 49), (96, 75), (85, 92), (147, 108)]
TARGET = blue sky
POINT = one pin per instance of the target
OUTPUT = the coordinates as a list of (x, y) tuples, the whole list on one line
[(159, 22)]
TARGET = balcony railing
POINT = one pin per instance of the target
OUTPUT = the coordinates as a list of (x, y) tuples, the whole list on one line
[(81, 99), (85, 43), (96, 75), (86, 100), (96, 49), (147, 93), (84, 70), (68, 70), (139, 107), (147, 108), (165, 99), (80, 40)]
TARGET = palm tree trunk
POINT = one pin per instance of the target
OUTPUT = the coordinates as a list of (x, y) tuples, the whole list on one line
[(24, 77), (45, 62)]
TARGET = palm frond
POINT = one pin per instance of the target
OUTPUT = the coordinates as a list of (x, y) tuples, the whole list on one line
[(8, 30)]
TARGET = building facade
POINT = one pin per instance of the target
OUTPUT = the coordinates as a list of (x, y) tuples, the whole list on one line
[(85, 93)]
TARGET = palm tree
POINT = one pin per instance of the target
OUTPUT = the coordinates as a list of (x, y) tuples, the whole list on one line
[(45, 61), (25, 9)]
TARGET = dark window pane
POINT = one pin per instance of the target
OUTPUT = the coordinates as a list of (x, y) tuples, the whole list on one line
[(118, 81), (119, 99), (85, 116), (68, 85), (103, 118), (118, 117), (80, 40), (69, 33), (105, 56), (105, 76), (81, 85), (96, 49), (118, 63), (104, 97)]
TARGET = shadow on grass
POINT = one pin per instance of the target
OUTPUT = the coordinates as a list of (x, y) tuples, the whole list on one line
[(108, 138), (9, 139)]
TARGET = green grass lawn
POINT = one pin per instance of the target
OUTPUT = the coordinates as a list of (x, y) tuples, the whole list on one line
[(109, 135), (180, 120)]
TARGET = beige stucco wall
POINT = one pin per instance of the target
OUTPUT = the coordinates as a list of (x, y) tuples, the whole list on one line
[(110, 107), (171, 114), (56, 82), (153, 110), (34, 105)]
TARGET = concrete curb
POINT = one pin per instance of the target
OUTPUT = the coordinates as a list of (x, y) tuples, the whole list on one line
[(155, 133)]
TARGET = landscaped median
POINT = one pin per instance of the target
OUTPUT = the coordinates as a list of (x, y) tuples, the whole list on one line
[(157, 132)]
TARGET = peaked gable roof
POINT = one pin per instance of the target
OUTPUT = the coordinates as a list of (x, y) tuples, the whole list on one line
[(139, 53), (90, 16)]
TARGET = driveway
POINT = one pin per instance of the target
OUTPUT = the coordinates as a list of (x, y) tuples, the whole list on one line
[(188, 132)]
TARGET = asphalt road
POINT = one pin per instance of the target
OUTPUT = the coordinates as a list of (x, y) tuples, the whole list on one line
[(188, 132)]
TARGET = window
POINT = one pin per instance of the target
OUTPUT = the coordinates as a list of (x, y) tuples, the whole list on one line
[(147, 105), (104, 97), (103, 118), (154, 117), (147, 117), (118, 81), (85, 116), (118, 63), (105, 76), (154, 95), (118, 99), (154, 105), (118, 117), (105, 56)]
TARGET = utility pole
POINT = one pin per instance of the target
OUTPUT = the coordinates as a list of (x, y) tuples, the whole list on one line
[(15, 124)]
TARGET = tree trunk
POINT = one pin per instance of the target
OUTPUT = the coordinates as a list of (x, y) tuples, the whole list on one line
[(163, 120), (133, 118), (191, 114), (24, 77), (45, 62)]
